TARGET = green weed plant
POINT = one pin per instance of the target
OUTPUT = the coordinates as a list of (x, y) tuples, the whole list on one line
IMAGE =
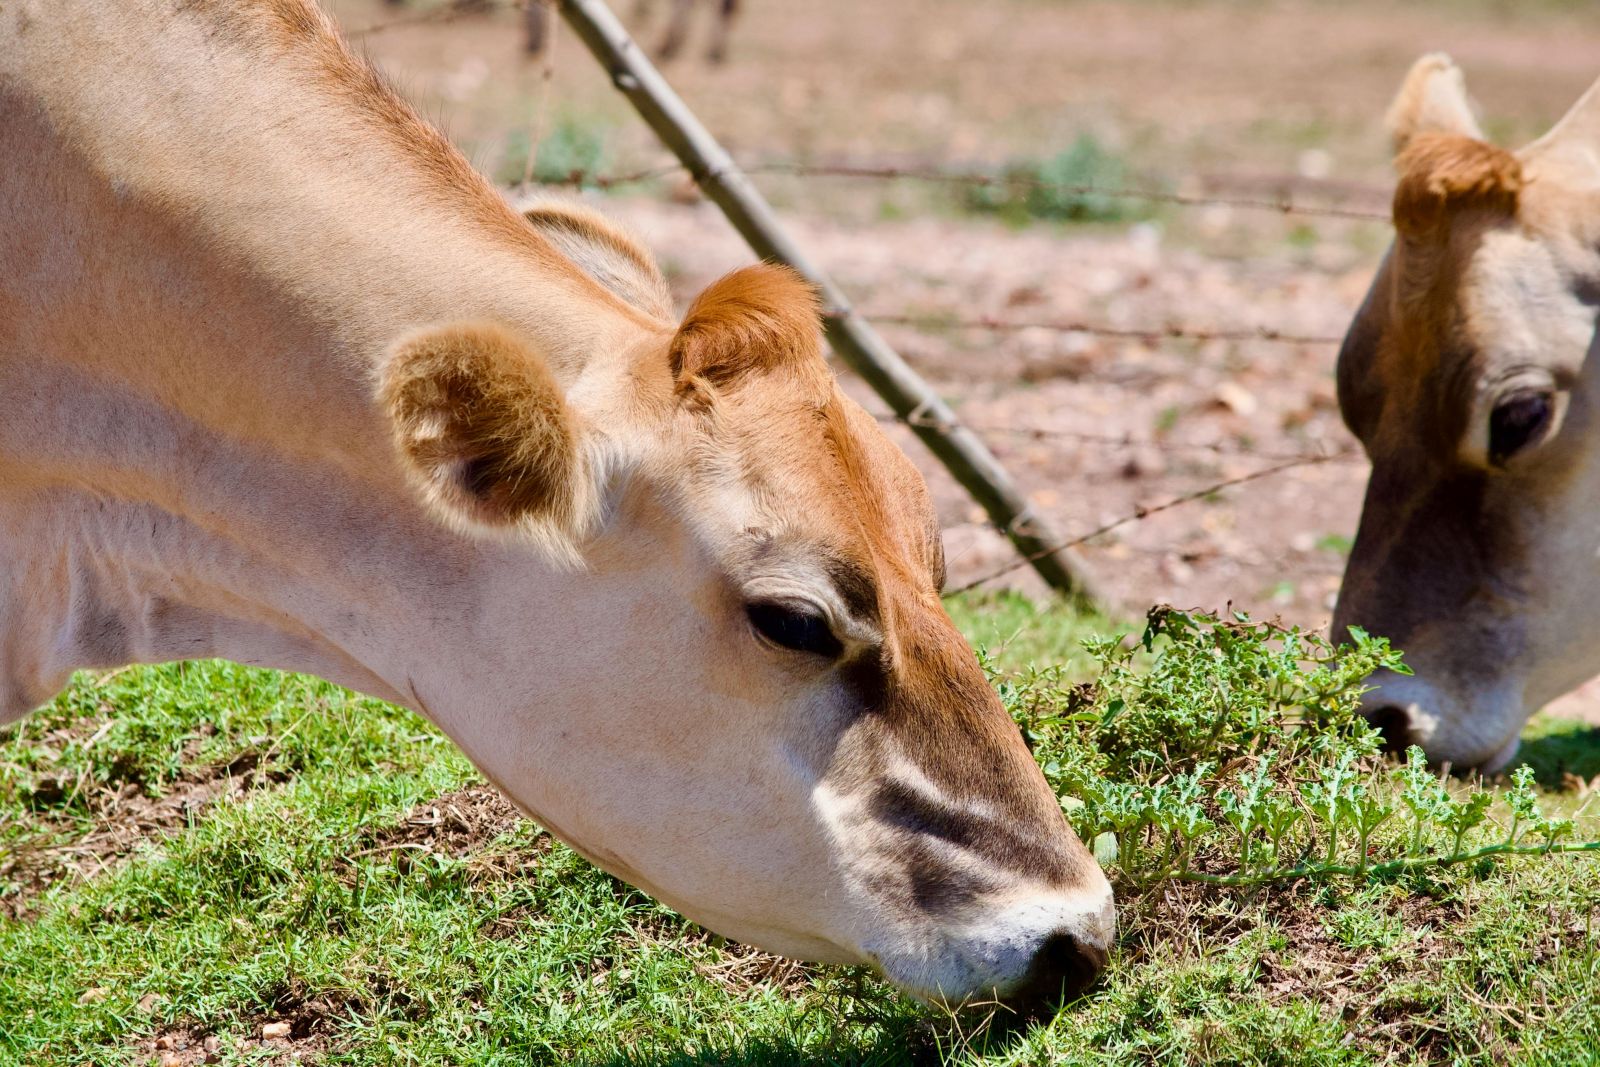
[(1078, 184), (1232, 752)]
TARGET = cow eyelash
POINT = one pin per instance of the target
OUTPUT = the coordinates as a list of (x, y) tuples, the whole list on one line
[(794, 628)]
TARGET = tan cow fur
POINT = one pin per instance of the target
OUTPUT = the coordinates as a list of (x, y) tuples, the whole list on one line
[(261, 329)]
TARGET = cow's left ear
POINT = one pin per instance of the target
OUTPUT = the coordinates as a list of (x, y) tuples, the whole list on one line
[(487, 436), (1433, 99)]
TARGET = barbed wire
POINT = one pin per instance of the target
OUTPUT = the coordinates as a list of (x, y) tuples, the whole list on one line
[(1137, 515), (1046, 433), (976, 179), (1169, 331), (980, 179), (456, 9), (439, 15)]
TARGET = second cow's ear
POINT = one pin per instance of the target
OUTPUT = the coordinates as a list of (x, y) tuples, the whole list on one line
[(605, 251), (1433, 99)]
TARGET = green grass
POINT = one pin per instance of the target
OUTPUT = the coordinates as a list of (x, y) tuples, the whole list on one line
[(1017, 633), (572, 149), (1077, 184), (296, 897)]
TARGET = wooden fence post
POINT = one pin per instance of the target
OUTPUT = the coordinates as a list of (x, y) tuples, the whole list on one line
[(856, 342)]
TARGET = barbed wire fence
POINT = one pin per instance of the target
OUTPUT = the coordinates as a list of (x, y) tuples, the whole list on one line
[(977, 179), (926, 419)]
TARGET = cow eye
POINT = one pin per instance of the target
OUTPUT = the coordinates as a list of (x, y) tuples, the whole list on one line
[(794, 628), (1516, 422)]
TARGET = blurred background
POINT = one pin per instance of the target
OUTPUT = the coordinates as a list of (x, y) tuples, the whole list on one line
[(1116, 352)]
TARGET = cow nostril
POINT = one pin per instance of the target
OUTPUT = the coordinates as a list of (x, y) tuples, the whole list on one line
[(1394, 725), (1063, 967)]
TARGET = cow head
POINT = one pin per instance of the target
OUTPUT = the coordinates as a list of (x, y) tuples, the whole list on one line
[(732, 680), (1469, 376)]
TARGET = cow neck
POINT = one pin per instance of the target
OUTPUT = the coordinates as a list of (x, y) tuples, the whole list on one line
[(191, 462)]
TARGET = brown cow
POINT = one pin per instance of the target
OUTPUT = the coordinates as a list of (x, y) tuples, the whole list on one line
[(1470, 377), (283, 380)]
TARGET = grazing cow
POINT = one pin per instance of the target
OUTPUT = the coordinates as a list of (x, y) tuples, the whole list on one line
[(283, 380), (1470, 376)]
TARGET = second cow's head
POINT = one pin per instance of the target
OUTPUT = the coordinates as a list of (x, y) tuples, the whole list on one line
[(1469, 376)]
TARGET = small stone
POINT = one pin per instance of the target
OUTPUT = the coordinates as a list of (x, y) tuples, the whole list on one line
[(171, 1059), (93, 996), (1143, 463), (1176, 571), (1237, 399), (1314, 163), (165, 1041), (273, 1031)]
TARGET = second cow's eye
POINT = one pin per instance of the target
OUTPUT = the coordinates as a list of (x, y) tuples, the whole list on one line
[(794, 628), (1516, 422)]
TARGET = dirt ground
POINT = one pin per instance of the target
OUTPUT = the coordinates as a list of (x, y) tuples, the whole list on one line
[(1241, 95), (1183, 85)]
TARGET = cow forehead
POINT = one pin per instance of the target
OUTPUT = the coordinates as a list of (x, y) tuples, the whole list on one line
[(822, 472), (1444, 322), (1413, 335), (1496, 298), (1520, 307), (1500, 275)]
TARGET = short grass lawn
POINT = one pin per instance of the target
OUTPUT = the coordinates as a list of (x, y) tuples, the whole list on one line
[(207, 863)]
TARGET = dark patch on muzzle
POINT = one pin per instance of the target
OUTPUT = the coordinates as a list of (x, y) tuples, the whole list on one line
[(923, 823)]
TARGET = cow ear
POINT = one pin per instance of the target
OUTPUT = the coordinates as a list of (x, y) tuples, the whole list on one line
[(485, 433), (1433, 99), (604, 250), (760, 318), (1443, 175), (1573, 144)]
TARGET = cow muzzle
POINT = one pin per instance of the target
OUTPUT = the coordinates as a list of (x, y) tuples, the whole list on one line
[(1028, 957), (1480, 732)]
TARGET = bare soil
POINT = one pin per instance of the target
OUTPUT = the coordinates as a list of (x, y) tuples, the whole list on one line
[(454, 825), (120, 818), (461, 824), (299, 1038)]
